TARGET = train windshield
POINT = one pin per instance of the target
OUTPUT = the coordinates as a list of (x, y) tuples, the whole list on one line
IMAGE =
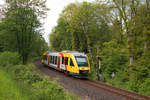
[(82, 61)]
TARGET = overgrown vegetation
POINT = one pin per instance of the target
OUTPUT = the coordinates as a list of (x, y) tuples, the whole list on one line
[(9, 89), (21, 82), (117, 31), (20, 28)]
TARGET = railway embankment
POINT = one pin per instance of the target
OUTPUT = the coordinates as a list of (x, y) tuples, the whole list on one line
[(21, 82)]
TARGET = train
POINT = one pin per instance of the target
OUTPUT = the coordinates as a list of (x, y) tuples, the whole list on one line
[(70, 62)]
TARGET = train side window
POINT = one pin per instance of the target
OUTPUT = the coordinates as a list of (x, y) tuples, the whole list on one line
[(56, 60), (53, 59), (62, 60), (66, 60), (50, 59), (71, 62)]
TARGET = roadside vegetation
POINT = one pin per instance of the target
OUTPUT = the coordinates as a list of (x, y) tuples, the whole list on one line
[(21, 82), (9, 89), (116, 31)]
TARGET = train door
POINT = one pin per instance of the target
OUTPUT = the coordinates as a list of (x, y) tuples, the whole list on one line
[(66, 64), (62, 63), (72, 67), (58, 64)]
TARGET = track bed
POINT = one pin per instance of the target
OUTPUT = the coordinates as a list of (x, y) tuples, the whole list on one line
[(87, 89)]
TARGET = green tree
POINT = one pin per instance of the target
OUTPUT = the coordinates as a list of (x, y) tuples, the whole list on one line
[(88, 27), (61, 33), (21, 24)]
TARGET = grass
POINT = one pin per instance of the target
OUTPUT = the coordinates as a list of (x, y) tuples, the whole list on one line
[(9, 89), (21, 82)]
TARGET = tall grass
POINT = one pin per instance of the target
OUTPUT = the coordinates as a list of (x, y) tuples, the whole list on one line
[(9, 89), (21, 82)]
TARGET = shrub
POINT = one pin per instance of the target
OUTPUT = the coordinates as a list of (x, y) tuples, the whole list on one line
[(9, 58), (48, 90), (38, 87), (25, 73), (114, 58), (144, 88), (10, 90), (42, 88)]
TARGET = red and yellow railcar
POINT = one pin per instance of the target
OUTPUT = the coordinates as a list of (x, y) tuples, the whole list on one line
[(70, 62)]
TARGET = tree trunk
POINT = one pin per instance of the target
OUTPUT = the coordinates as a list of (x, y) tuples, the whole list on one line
[(130, 37), (90, 49), (148, 15), (88, 44), (126, 24), (98, 68), (145, 46)]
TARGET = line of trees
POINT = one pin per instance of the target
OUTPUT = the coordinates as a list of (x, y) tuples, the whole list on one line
[(116, 30), (20, 27)]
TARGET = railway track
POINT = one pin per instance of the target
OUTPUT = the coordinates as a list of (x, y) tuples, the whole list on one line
[(117, 91), (92, 90)]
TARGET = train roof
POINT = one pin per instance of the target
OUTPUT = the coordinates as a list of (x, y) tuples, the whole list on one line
[(75, 53), (67, 51)]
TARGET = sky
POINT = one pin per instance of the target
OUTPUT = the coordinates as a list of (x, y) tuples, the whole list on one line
[(56, 7)]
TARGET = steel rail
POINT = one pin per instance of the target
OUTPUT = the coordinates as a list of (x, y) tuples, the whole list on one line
[(118, 91)]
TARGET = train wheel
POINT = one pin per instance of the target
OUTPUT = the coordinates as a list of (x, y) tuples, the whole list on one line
[(67, 73)]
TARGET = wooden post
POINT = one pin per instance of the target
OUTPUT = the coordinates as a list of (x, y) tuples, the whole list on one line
[(98, 67)]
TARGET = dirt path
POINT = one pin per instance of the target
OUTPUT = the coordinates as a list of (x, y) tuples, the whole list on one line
[(77, 86)]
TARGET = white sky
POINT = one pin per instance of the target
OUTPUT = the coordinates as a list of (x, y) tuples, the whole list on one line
[(56, 6)]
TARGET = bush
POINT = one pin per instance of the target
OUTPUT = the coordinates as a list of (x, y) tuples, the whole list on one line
[(48, 90), (144, 88), (10, 90), (25, 76), (25, 73), (114, 58), (9, 58), (42, 88)]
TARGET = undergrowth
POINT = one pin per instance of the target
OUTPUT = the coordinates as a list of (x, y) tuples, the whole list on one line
[(21, 82)]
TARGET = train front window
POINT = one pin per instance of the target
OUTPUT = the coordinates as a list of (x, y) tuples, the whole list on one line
[(82, 61), (66, 60)]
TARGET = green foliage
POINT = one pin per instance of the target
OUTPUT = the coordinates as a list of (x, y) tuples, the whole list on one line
[(114, 58), (144, 87), (46, 90), (27, 84), (20, 27), (10, 90), (24, 73), (92, 74), (118, 32), (60, 38), (9, 58), (79, 26), (41, 87)]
